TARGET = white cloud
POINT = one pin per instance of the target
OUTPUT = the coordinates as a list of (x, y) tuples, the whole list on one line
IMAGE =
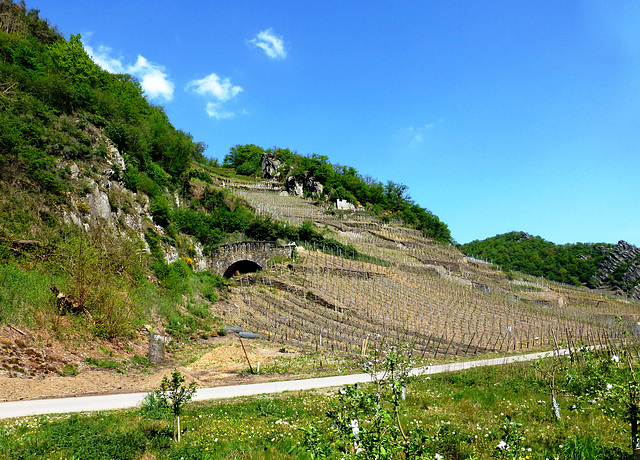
[(213, 85), (270, 43), (103, 58), (215, 110), (221, 90), (153, 79)]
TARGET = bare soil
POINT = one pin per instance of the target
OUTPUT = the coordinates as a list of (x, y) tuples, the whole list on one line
[(34, 365)]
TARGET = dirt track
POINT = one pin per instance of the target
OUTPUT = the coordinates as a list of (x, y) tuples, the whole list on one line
[(32, 363)]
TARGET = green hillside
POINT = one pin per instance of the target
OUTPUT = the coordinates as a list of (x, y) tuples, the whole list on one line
[(104, 201), (518, 251), (342, 183)]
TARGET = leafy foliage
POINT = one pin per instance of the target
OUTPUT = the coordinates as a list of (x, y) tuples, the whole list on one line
[(570, 263), (245, 158), (52, 91), (57, 109), (172, 393)]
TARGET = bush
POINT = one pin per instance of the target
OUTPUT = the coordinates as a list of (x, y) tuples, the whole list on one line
[(173, 277), (159, 207)]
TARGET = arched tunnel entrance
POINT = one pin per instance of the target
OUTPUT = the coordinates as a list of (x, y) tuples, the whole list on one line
[(241, 267)]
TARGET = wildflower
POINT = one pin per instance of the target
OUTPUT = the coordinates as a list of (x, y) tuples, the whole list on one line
[(615, 359), (556, 408), (355, 428), (609, 387), (502, 445)]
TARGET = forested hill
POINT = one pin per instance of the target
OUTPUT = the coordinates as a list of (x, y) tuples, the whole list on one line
[(616, 267)]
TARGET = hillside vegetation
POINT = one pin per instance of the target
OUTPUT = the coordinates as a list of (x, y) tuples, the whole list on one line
[(104, 203), (340, 183), (595, 265), (110, 219)]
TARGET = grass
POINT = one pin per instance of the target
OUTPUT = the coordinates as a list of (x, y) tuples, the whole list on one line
[(22, 292), (464, 415), (104, 363)]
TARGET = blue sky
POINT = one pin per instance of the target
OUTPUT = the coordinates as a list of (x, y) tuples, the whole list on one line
[(498, 115)]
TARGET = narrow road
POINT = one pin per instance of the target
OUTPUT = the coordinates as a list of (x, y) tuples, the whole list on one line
[(122, 401)]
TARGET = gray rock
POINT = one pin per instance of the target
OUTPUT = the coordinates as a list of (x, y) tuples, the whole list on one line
[(309, 184), (313, 186), (294, 187), (270, 166), (98, 201), (623, 253)]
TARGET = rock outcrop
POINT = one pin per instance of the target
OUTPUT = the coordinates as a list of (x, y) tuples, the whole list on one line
[(344, 205), (524, 236), (622, 263), (307, 185), (270, 166)]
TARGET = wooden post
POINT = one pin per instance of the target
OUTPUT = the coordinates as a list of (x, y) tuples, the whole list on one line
[(246, 355)]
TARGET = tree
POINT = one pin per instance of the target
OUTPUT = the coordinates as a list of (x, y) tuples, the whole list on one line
[(245, 158), (395, 196), (173, 394)]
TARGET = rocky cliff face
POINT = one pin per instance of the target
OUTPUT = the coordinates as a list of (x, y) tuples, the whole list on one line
[(270, 166), (621, 269), (100, 200), (307, 185)]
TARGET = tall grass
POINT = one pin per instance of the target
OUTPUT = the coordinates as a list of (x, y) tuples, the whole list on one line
[(24, 291)]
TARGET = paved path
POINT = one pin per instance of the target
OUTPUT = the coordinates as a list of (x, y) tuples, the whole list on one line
[(123, 401)]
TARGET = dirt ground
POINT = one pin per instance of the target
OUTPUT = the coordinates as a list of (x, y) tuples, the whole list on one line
[(33, 365)]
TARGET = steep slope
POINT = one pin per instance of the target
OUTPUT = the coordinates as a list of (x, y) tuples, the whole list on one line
[(449, 304), (620, 269), (108, 215)]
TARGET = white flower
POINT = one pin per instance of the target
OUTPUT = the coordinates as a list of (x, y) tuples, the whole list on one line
[(503, 445), (609, 387), (556, 408), (355, 427), (615, 359), (438, 456)]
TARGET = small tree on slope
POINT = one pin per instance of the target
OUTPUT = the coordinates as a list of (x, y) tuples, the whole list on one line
[(173, 394)]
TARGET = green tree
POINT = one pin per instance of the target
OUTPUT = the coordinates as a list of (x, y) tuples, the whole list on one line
[(71, 57), (173, 394), (245, 158)]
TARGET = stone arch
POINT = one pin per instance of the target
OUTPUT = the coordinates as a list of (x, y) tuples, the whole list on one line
[(242, 267)]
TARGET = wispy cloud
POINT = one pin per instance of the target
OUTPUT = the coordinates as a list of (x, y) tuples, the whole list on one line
[(418, 134), (153, 79), (103, 57), (271, 44), (217, 111), (221, 90)]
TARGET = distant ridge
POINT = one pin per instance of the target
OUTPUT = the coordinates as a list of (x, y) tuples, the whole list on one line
[(594, 265)]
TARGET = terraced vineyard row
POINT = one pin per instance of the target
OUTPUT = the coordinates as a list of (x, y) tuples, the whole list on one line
[(430, 293)]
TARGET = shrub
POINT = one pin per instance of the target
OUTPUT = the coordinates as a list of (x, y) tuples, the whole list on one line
[(174, 395)]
